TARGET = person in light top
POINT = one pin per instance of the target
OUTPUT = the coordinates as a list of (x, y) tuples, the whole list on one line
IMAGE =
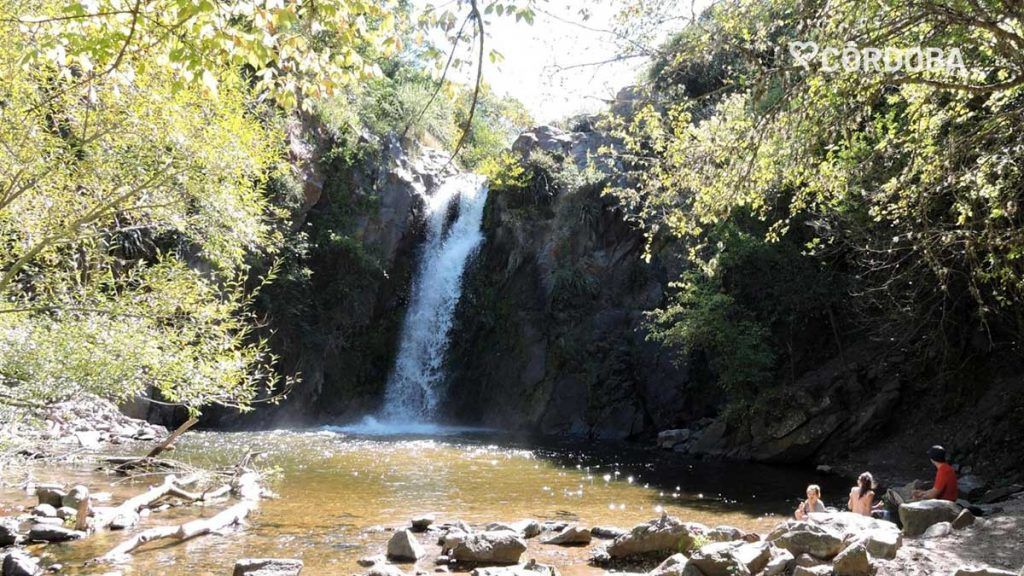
[(812, 504), (862, 495)]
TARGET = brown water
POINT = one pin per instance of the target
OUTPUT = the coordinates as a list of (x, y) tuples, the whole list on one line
[(340, 494)]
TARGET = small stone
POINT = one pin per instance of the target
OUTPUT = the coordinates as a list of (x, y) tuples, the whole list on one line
[(963, 520), (939, 530), (528, 528), (571, 536), (367, 561), (403, 546), (267, 567), (421, 523)]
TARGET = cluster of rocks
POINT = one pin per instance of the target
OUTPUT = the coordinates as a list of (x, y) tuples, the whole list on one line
[(89, 420)]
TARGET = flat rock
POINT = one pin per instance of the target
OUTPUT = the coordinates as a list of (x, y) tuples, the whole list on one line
[(403, 546), (665, 534), (367, 561), (823, 570), (422, 522), (916, 517), (531, 568), (44, 511), (571, 536), (883, 538), (385, 570), (490, 547), (853, 561), (606, 532), (983, 571), (725, 534), (267, 567), (47, 533)]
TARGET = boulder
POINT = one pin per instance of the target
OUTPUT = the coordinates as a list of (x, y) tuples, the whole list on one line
[(10, 532), (963, 520), (422, 522), (403, 546), (528, 528), (725, 534), (676, 565), (267, 567), (490, 547), (939, 530), (19, 563), (571, 536), (668, 439), (754, 555), (51, 494), (606, 532), (546, 138), (853, 561), (719, 559), (44, 511), (665, 534), (971, 486), (75, 496), (781, 562), (807, 538), (49, 533), (916, 517), (822, 570), (883, 538), (983, 571)]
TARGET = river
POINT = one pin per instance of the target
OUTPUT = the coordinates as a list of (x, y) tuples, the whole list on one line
[(340, 494)]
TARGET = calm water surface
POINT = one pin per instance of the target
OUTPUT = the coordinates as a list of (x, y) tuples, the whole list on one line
[(340, 494)]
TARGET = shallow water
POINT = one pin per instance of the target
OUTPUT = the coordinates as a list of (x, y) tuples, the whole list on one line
[(340, 493)]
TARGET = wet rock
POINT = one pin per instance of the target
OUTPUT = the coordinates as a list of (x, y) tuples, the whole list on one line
[(19, 563), (403, 546), (939, 530), (367, 561), (606, 532), (10, 531), (676, 565), (44, 511), (807, 538), (916, 517), (497, 547), (963, 520), (267, 567), (572, 536), (853, 561), (48, 533), (781, 562), (666, 534), (668, 439), (50, 494), (422, 522)]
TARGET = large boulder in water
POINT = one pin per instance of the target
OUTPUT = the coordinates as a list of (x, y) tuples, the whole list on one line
[(491, 547), (807, 538), (916, 517), (666, 534)]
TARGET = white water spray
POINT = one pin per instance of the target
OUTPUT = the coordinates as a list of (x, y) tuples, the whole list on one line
[(415, 387)]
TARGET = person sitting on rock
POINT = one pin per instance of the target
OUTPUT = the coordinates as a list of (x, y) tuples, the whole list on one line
[(862, 495), (812, 504), (944, 487)]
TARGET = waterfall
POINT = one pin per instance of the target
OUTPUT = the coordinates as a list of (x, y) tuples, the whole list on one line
[(415, 387)]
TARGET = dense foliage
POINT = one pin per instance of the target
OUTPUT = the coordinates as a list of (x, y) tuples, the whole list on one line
[(893, 194)]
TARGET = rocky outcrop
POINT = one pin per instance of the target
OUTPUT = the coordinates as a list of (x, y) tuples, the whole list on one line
[(665, 534)]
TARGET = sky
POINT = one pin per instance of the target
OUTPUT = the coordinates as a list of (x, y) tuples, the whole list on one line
[(546, 64)]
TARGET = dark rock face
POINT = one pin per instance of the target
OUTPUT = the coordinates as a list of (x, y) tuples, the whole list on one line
[(549, 333)]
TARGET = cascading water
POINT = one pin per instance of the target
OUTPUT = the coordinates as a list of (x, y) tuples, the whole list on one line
[(415, 387)]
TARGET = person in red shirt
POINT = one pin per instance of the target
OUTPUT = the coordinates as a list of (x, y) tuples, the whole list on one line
[(945, 487)]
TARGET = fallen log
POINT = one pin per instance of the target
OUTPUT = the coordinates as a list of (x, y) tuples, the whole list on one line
[(130, 508), (181, 532)]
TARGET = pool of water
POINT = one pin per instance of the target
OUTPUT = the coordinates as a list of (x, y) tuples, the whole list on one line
[(341, 493)]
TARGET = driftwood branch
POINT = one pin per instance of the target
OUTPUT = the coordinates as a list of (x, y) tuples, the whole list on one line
[(172, 438)]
